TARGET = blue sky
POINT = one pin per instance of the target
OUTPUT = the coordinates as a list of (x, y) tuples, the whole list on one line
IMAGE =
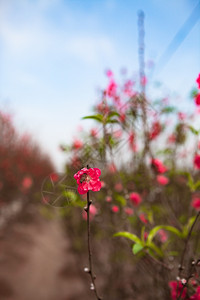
[(54, 53)]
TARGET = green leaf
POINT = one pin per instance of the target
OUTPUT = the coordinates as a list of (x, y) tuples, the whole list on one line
[(194, 93), (193, 130), (97, 117), (154, 231), (129, 236), (187, 227), (197, 185), (165, 151), (190, 182), (153, 247), (168, 109), (113, 113), (137, 248), (120, 199), (111, 121)]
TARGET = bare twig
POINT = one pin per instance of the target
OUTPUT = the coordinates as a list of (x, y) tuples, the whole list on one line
[(90, 270)]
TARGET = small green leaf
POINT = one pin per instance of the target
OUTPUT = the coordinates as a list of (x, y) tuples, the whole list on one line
[(194, 93), (137, 248), (197, 185), (129, 236), (97, 117), (111, 121), (113, 113), (154, 231), (168, 109), (187, 227), (153, 247), (193, 130), (120, 199)]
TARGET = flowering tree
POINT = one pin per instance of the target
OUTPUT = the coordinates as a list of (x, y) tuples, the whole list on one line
[(149, 202), (23, 166)]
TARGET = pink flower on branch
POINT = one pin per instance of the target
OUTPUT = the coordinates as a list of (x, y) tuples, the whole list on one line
[(27, 182), (158, 166), (197, 99), (196, 203), (135, 198), (77, 144), (155, 130), (115, 208), (198, 81), (197, 161), (88, 180), (129, 211), (178, 291), (163, 180)]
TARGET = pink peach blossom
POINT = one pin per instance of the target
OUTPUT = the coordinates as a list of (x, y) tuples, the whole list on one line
[(115, 209), (197, 161), (135, 199), (88, 180), (163, 180), (129, 211)]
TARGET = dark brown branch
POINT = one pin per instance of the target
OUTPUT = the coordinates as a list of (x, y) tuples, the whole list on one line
[(90, 271)]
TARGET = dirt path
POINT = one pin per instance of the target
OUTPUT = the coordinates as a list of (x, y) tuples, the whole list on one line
[(36, 263)]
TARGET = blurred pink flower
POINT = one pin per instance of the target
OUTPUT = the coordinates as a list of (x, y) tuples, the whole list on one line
[(129, 211), (108, 199), (197, 161), (118, 187), (171, 138), (27, 182), (135, 198), (117, 134), (109, 73), (122, 118), (88, 180), (196, 203), (198, 81), (162, 235), (94, 132), (112, 88), (177, 289), (112, 168), (77, 144), (158, 166), (143, 81), (131, 141), (181, 116), (143, 218), (197, 99), (155, 130), (103, 184), (128, 88), (145, 235), (163, 180), (115, 209), (54, 177)]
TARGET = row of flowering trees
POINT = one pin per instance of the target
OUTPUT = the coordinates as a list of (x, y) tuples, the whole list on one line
[(145, 214), (23, 166)]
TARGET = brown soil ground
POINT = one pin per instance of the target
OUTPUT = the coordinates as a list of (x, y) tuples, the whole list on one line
[(36, 262)]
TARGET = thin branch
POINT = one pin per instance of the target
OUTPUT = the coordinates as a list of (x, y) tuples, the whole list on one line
[(183, 255), (90, 271)]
